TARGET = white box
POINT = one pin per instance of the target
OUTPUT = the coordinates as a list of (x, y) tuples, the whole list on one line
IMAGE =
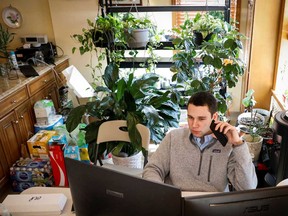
[(35, 204)]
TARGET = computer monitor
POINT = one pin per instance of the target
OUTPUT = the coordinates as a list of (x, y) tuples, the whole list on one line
[(264, 201), (100, 191)]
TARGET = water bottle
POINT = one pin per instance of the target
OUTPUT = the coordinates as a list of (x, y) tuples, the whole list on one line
[(13, 60)]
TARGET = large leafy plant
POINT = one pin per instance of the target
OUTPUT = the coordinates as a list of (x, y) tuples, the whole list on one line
[(130, 98), (211, 66)]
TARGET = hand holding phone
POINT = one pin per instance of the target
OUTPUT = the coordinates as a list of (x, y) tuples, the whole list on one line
[(220, 136)]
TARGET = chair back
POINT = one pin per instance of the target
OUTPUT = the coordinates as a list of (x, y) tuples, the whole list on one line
[(112, 131)]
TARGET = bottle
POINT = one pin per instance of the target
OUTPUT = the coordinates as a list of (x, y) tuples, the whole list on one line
[(13, 60)]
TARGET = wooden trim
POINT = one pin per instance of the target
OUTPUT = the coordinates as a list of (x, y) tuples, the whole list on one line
[(282, 15)]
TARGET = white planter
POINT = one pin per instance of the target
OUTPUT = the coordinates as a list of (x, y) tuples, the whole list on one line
[(134, 161), (254, 145), (139, 38)]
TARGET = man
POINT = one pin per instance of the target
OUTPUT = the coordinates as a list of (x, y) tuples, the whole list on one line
[(194, 160)]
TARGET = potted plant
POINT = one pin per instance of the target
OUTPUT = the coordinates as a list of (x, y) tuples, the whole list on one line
[(104, 37), (130, 98), (5, 39), (138, 30), (204, 25), (214, 65)]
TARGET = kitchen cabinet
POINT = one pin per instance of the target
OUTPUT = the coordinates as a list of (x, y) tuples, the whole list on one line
[(17, 117)]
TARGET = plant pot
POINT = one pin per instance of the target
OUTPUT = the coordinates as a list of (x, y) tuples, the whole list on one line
[(198, 38), (265, 113), (245, 118), (254, 145), (138, 38), (134, 161), (101, 39)]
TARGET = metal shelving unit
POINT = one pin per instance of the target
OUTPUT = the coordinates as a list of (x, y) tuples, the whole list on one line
[(108, 8)]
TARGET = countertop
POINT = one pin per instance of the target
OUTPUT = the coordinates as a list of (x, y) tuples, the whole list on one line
[(8, 86)]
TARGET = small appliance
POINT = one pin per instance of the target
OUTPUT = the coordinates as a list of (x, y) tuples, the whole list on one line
[(26, 55)]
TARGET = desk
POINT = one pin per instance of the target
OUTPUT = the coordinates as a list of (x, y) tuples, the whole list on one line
[(67, 193)]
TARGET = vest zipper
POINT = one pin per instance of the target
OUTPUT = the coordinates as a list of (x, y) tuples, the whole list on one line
[(209, 171), (200, 164)]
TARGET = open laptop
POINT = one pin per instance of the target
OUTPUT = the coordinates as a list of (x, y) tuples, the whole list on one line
[(99, 191)]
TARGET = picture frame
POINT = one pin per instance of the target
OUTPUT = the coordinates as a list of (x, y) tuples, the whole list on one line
[(126, 2)]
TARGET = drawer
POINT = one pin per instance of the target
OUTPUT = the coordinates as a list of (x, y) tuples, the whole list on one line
[(13, 100), (41, 82)]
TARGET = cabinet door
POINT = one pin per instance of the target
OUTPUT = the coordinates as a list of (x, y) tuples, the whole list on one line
[(4, 168), (49, 92), (10, 137), (26, 120)]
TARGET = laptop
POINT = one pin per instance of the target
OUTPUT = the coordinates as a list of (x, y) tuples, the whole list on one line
[(97, 190)]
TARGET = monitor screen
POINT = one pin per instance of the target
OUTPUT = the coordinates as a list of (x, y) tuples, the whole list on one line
[(100, 191), (264, 201)]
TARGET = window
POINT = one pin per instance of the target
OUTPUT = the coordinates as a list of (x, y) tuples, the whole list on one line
[(180, 16)]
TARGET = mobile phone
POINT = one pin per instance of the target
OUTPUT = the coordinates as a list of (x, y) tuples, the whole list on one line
[(220, 136)]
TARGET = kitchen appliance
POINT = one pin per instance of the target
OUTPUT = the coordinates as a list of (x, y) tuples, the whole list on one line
[(27, 54), (281, 129)]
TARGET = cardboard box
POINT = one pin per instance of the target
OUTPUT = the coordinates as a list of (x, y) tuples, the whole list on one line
[(57, 120), (35, 204), (38, 144), (56, 155), (44, 111)]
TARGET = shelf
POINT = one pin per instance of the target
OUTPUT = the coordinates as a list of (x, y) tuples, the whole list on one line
[(180, 8), (130, 62)]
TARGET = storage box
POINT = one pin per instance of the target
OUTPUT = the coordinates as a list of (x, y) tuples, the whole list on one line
[(56, 155), (56, 120), (44, 111), (35, 204), (38, 144), (26, 173)]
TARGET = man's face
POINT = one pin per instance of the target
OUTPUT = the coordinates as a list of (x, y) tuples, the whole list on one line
[(199, 120)]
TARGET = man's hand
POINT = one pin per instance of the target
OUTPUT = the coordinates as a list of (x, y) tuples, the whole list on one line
[(230, 131)]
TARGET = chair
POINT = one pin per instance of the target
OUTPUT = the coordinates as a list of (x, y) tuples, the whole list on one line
[(111, 131), (283, 182)]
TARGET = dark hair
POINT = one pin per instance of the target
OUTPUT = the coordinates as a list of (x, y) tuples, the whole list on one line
[(204, 99)]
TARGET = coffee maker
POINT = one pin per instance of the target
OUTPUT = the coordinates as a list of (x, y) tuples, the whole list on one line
[(281, 132)]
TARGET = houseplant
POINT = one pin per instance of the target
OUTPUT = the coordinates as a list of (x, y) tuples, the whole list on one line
[(130, 98), (253, 125), (5, 39), (204, 25), (138, 30), (213, 65), (104, 37)]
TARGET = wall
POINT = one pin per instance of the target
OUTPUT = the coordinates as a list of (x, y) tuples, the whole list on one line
[(36, 19), (263, 53), (62, 18)]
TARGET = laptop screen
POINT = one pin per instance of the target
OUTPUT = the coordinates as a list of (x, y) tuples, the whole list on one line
[(99, 191)]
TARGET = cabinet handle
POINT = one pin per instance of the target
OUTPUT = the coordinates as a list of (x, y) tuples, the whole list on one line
[(14, 101), (16, 122), (45, 81), (21, 117)]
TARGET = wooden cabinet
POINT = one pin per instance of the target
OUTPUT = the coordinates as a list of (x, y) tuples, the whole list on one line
[(25, 120), (49, 91), (17, 117)]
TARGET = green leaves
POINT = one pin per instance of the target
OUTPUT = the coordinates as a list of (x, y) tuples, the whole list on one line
[(211, 64), (5, 39)]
